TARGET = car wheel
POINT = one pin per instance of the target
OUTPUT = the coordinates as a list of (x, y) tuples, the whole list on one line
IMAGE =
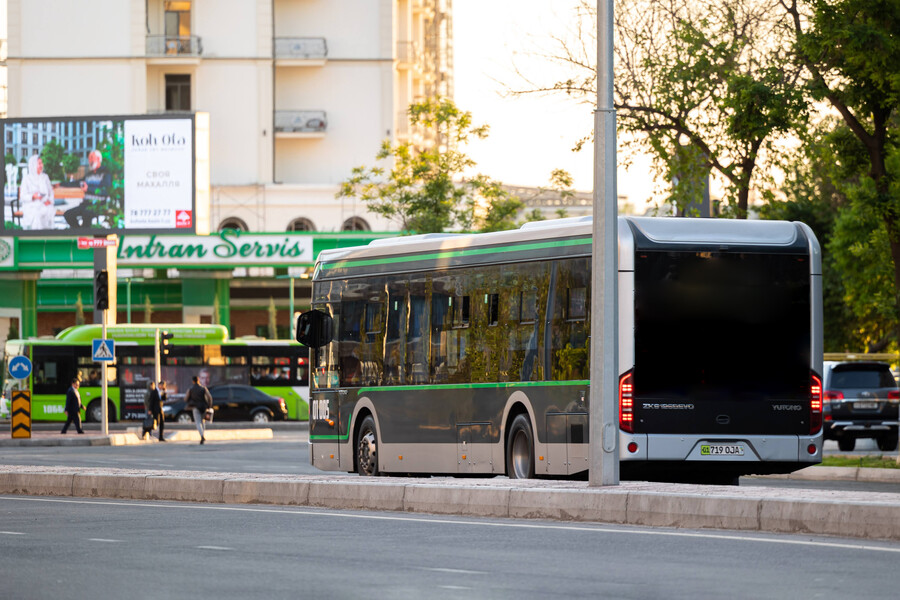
[(847, 444), (367, 448), (520, 449), (184, 417), (887, 443), (261, 416)]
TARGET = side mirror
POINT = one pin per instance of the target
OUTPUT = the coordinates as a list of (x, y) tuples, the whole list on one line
[(315, 328)]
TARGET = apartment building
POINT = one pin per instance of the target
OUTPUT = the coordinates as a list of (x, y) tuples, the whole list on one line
[(298, 91)]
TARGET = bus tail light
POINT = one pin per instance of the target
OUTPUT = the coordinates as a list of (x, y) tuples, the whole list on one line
[(626, 403), (815, 404)]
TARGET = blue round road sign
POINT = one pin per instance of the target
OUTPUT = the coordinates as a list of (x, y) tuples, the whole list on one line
[(20, 367)]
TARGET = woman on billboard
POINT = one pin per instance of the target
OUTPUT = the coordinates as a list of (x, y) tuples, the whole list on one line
[(36, 196)]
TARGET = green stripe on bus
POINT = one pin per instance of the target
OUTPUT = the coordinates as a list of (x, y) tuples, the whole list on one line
[(329, 438), (344, 264), (474, 386)]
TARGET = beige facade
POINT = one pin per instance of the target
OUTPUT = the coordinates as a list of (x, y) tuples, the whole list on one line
[(298, 91)]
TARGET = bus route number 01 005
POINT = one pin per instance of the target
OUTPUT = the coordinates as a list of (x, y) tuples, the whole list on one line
[(319, 409)]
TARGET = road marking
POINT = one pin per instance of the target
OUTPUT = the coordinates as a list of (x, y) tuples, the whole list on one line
[(104, 540), (453, 587), (214, 548), (454, 571), (11, 533), (589, 528)]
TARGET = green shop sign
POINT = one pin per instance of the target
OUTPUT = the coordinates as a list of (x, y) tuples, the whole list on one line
[(229, 247)]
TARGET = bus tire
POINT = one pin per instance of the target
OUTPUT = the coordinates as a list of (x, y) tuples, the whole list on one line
[(94, 412), (367, 448), (520, 449)]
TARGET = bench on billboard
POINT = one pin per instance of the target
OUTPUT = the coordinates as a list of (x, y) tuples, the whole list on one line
[(106, 175)]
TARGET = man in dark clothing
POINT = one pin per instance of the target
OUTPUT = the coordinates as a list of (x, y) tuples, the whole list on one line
[(96, 185), (154, 403), (198, 399), (73, 407)]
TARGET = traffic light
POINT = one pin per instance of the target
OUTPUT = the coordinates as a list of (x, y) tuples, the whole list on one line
[(164, 338), (101, 290)]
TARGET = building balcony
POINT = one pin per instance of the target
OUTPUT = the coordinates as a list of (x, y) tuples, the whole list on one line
[(300, 51), (174, 48), (300, 123), (409, 55)]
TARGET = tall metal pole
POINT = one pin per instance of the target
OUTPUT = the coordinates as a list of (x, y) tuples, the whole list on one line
[(604, 289), (104, 393), (128, 288), (293, 327)]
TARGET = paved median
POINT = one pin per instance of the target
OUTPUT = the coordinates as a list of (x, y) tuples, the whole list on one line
[(798, 511)]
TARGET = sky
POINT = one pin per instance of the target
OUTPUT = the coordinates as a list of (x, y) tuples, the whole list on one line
[(533, 134)]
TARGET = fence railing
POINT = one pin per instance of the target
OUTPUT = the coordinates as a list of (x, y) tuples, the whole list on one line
[(300, 121), (301, 47), (174, 45)]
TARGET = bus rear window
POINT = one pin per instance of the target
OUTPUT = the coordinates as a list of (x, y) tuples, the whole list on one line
[(728, 324)]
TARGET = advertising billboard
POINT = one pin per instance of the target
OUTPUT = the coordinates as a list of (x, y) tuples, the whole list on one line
[(100, 175)]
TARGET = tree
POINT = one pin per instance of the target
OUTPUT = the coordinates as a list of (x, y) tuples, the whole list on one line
[(52, 156), (273, 319), (705, 88), (851, 51), (79, 310), (423, 189), (148, 310)]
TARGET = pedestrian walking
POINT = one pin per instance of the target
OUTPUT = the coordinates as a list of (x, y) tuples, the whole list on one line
[(154, 406), (199, 400), (73, 407)]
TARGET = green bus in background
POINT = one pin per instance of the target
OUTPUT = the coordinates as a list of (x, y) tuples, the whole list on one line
[(276, 367)]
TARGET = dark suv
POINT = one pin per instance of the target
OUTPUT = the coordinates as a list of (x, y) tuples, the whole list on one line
[(861, 400), (233, 402)]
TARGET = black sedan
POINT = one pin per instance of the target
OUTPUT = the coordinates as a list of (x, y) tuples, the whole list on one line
[(233, 402)]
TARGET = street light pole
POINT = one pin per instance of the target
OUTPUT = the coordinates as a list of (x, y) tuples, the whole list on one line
[(604, 431)]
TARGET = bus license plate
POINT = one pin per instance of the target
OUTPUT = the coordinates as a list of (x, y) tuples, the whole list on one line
[(721, 450)]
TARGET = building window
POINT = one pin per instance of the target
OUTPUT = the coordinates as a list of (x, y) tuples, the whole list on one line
[(233, 223), (178, 92), (178, 27), (301, 224), (355, 224)]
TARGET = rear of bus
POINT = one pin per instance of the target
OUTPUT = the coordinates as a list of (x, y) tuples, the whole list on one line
[(722, 375)]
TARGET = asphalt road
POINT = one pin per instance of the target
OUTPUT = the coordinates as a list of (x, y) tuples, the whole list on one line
[(72, 548)]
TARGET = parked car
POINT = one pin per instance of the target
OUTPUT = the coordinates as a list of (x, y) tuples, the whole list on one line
[(861, 401), (232, 402)]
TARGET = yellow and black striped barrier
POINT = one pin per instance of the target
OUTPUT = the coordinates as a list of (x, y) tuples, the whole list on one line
[(21, 414)]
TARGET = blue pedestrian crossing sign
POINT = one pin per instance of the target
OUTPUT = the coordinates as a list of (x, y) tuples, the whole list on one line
[(104, 350), (20, 367)]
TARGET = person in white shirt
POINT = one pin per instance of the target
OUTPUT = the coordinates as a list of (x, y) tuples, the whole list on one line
[(36, 197)]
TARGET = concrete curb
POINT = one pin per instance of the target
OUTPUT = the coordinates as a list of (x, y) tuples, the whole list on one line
[(819, 512), (132, 437)]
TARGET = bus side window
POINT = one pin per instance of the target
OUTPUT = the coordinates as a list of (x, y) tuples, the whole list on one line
[(395, 334)]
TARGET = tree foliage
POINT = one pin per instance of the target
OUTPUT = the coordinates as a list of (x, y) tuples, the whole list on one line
[(851, 52), (703, 87), (423, 189)]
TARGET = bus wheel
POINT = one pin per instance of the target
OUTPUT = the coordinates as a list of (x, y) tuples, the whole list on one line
[(94, 412), (367, 449), (520, 449)]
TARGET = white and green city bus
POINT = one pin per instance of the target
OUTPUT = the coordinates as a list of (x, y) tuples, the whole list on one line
[(469, 354), (275, 367)]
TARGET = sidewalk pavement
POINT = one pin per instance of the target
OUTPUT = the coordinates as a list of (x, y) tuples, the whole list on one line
[(756, 509)]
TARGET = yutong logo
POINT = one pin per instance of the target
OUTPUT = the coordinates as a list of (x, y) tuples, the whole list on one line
[(169, 139), (786, 407)]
